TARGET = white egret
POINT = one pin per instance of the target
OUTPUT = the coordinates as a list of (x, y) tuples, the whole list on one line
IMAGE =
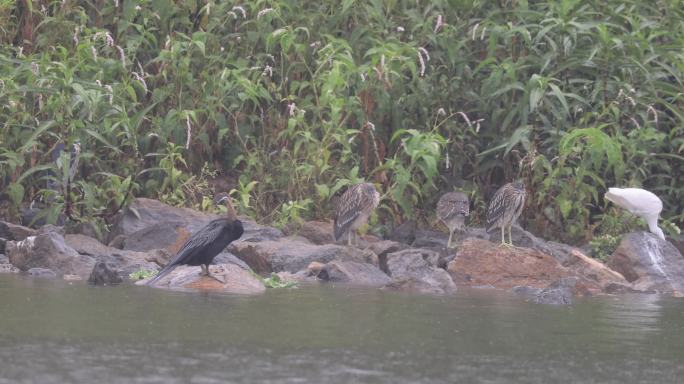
[(640, 202)]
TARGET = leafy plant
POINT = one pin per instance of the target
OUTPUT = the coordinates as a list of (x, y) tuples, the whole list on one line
[(141, 274)]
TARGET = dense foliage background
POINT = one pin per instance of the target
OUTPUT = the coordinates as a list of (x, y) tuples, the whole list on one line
[(288, 101)]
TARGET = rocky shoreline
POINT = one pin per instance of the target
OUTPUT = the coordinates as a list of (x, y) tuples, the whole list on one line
[(149, 232)]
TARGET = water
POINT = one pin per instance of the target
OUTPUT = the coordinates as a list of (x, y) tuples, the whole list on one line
[(52, 331)]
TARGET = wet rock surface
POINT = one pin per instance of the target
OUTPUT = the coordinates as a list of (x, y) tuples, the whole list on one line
[(417, 270), (480, 262), (104, 274), (48, 250), (317, 232), (229, 278), (41, 272), (649, 263), (150, 224), (352, 272), (8, 268), (290, 255)]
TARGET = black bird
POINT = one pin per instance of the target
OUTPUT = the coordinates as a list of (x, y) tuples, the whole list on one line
[(205, 244)]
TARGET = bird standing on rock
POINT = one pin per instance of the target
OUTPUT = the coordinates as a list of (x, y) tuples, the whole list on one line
[(353, 210), (505, 208), (452, 209), (205, 244), (640, 202)]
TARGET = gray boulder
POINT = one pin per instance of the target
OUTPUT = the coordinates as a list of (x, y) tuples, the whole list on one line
[(48, 250), (417, 270), (122, 261), (649, 263), (404, 233), (4, 259), (317, 232), (104, 274), (352, 272), (290, 255), (150, 224), (9, 231)]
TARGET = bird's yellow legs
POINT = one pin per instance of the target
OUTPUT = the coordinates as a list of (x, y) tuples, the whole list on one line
[(510, 237)]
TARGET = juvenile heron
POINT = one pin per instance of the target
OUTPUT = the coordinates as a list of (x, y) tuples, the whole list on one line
[(353, 210), (505, 208), (452, 209), (639, 202), (205, 244)]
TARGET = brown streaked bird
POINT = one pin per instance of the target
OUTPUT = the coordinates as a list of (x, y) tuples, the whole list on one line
[(505, 208), (353, 210), (205, 244), (452, 209)]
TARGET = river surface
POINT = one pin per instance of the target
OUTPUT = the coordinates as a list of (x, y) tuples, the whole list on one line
[(53, 331)]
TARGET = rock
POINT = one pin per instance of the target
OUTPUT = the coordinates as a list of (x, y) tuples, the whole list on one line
[(590, 269), (9, 231), (526, 291), (84, 228), (557, 293), (41, 272), (48, 250), (383, 247), (8, 268), (170, 236), (426, 238), (124, 262), (150, 224), (237, 280), (317, 232), (104, 274), (480, 262), (353, 273), (417, 270), (677, 241), (118, 242), (618, 288), (560, 292), (290, 255), (569, 257), (476, 232), (47, 228), (3, 241), (404, 233), (229, 258), (4, 259), (72, 277), (649, 263), (86, 245), (256, 233)]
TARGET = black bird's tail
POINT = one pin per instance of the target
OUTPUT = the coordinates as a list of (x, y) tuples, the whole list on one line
[(163, 272)]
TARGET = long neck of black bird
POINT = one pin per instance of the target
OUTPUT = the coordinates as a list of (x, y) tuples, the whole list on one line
[(231, 215)]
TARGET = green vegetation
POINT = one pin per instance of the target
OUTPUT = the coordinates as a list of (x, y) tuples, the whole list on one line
[(274, 281), (291, 101), (141, 274)]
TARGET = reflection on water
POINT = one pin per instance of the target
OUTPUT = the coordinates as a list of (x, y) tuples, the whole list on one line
[(53, 332)]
